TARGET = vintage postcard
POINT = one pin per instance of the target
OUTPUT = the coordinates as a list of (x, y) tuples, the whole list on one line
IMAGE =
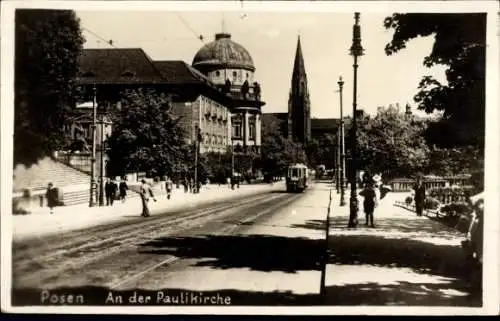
[(245, 157)]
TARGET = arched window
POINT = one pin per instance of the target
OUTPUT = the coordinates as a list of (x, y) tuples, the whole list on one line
[(217, 73)]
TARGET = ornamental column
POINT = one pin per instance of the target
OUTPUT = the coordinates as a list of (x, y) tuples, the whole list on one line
[(257, 130), (247, 131)]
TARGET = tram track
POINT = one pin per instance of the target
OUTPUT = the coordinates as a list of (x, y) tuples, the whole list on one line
[(228, 229), (86, 238), (56, 263)]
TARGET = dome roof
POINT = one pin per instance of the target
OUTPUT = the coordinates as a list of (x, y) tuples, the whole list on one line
[(223, 52)]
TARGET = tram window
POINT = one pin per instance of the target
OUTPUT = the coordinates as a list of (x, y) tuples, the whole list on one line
[(295, 172)]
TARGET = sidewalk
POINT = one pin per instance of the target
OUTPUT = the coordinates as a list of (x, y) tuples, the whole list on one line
[(404, 260), (67, 218)]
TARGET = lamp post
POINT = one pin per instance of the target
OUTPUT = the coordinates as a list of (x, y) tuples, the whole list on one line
[(198, 139), (356, 50), (337, 162), (103, 122), (92, 159), (342, 147)]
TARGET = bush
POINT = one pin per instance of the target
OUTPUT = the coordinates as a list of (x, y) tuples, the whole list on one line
[(456, 208), (431, 203)]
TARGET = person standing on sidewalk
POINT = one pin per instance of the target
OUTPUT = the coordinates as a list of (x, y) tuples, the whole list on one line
[(419, 195), (370, 202), (107, 191), (112, 191), (52, 196), (168, 186), (146, 191), (123, 189)]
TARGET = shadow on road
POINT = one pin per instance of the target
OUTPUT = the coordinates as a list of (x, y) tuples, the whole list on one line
[(256, 252), (436, 272)]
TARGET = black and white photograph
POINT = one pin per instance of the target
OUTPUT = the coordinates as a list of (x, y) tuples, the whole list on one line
[(248, 157)]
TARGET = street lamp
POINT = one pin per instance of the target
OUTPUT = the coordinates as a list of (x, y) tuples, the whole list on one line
[(92, 159), (356, 50), (198, 139), (337, 162), (342, 147), (102, 150)]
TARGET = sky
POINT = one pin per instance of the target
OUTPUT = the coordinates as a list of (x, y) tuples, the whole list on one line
[(271, 39)]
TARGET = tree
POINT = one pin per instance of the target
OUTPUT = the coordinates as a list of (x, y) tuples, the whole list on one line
[(47, 45), (277, 151), (322, 150), (147, 137), (460, 42), (390, 143)]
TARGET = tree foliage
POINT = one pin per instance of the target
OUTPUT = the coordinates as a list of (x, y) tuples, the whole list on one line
[(390, 143), (47, 46), (460, 42), (147, 137), (277, 151), (322, 151)]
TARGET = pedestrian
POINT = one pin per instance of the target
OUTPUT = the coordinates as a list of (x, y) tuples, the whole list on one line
[(370, 201), (168, 186), (107, 191), (112, 191), (419, 196), (146, 192), (52, 196), (186, 185), (191, 185), (228, 180), (123, 189)]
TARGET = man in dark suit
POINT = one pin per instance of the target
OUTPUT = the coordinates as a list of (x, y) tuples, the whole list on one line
[(419, 196)]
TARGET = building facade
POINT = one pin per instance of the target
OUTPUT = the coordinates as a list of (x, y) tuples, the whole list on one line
[(230, 68)]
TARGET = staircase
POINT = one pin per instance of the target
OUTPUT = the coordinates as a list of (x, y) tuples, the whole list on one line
[(47, 170)]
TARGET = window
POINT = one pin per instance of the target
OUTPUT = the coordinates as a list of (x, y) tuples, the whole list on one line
[(251, 128), (235, 75), (217, 73), (237, 128)]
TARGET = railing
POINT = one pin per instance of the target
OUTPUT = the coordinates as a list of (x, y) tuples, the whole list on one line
[(79, 161)]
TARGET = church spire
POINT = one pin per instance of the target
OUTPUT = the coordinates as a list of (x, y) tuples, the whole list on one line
[(299, 109), (299, 69)]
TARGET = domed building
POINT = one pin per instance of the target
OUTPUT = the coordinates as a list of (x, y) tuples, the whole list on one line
[(230, 68)]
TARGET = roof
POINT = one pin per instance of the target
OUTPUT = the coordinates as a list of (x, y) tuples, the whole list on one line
[(280, 116), (179, 72), (223, 53), (324, 123), (117, 66)]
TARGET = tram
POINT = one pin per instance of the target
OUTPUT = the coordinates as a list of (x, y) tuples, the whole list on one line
[(297, 178)]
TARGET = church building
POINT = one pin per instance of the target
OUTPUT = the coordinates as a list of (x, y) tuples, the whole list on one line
[(299, 106), (297, 123)]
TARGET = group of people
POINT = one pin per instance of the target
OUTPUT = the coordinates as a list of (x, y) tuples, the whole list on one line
[(111, 189)]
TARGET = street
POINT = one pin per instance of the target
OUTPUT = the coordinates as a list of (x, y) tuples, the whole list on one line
[(222, 245), (263, 249)]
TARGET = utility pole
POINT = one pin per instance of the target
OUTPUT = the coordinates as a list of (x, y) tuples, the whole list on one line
[(337, 162), (342, 146), (356, 51), (101, 164), (92, 159), (196, 151)]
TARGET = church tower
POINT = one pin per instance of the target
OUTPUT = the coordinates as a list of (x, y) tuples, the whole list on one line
[(299, 109)]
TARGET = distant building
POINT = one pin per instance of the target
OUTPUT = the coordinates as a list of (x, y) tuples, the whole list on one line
[(299, 105), (196, 100), (230, 68)]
